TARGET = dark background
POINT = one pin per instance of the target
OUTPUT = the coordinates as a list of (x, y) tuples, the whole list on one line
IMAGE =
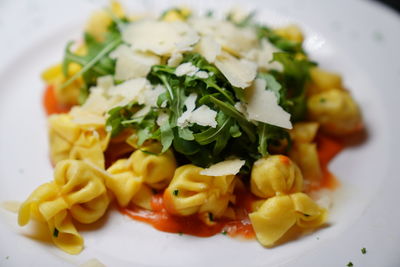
[(394, 4)]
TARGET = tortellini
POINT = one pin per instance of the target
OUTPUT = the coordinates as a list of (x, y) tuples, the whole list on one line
[(278, 214), (275, 174), (336, 111), (143, 168), (77, 192), (322, 80), (69, 141), (191, 192), (304, 151)]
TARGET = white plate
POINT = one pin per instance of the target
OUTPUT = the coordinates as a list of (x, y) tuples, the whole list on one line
[(359, 39)]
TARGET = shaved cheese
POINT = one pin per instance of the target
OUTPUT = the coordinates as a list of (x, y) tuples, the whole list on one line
[(96, 103), (105, 82), (160, 37), (83, 117), (186, 69), (150, 95), (227, 167), (162, 118), (202, 74), (263, 56), (262, 105), (239, 72), (208, 48), (129, 90), (233, 39), (132, 64), (175, 59), (190, 104), (204, 116)]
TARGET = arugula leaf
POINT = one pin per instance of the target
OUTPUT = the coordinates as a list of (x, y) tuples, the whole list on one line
[(96, 62), (293, 79)]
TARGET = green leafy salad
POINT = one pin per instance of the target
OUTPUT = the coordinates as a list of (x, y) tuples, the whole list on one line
[(210, 89)]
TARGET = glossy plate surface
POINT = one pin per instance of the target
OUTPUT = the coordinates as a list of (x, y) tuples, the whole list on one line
[(359, 39)]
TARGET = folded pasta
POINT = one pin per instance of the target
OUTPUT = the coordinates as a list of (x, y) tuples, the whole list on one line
[(278, 214), (77, 192), (191, 192), (275, 174), (69, 141), (144, 168)]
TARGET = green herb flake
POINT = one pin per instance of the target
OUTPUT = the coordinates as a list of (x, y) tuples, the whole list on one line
[(363, 250), (350, 264), (322, 100), (55, 232), (175, 192), (211, 216), (224, 232), (180, 233)]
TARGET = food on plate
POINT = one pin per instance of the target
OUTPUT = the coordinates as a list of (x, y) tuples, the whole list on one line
[(191, 123)]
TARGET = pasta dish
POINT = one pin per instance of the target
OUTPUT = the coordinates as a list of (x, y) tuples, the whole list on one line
[(193, 124)]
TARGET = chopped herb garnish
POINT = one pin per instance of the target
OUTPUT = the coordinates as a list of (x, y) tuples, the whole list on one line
[(363, 250), (224, 232), (211, 216), (176, 192), (55, 232), (350, 264), (322, 100), (180, 233)]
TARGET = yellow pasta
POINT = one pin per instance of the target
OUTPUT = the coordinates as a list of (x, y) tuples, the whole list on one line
[(190, 192), (146, 167), (69, 141), (275, 174), (291, 32), (78, 191), (304, 132), (306, 157), (335, 110), (278, 214), (322, 80)]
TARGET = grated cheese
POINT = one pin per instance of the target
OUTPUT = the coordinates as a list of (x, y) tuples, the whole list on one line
[(227, 167)]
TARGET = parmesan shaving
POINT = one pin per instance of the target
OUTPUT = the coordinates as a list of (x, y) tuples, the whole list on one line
[(262, 105), (239, 72), (227, 167), (160, 37), (208, 48), (186, 69), (204, 116), (131, 64)]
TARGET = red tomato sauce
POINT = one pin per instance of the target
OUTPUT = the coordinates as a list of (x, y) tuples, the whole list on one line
[(50, 103), (241, 226), (160, 219)]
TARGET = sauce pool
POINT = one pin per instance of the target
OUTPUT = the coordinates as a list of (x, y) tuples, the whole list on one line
[(241, 226)]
